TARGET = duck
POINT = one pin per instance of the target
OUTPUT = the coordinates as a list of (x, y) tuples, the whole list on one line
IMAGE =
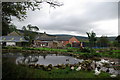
[(75, 59), (67, 59), (72, 68), (79, 68), (104, 61), (113, 75), (99, 64), (111, 70), (97, 72), (113, 63)]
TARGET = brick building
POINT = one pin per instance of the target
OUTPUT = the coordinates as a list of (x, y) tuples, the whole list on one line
[(51, 41)]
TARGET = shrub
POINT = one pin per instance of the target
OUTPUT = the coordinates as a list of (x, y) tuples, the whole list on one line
[(85, 50), (68, 45), (87, 55)]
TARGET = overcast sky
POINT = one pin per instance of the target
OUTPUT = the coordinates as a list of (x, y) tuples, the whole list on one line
[(75, 17)]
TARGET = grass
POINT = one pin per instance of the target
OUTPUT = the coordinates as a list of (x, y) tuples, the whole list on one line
[(11, 70), (84, 52)]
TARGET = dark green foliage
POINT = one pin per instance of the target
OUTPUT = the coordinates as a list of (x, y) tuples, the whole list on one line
[(87, 56), (118, 38), (16, 9), (68, 45), (116, 44), (85, 50), (103, 41), (92, 39), (28, 32)]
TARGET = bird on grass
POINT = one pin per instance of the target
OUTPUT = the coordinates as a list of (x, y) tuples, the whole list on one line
[(104, 61), (72, 68), (97, 72), (79, 68), (113, 75)]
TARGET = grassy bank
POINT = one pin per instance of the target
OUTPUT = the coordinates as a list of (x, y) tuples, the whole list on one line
[(82, 52), (11, 70)]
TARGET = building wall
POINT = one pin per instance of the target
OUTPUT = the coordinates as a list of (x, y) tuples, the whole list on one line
[(54, 44), (73, 39), (60, 43), (65, 42), (10, 43)]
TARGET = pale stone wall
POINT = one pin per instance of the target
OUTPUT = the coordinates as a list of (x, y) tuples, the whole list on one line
[(10, 43)]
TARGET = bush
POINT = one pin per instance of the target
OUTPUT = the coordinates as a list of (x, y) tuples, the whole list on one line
[(87, 55), (68, 45), (85, 50)]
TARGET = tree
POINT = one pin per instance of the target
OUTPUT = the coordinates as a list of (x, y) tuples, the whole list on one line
[(92, 38), (103, 41), (12, 28), (117, 43), (118, 38), (68, 45), (19, 10), (28, 32)]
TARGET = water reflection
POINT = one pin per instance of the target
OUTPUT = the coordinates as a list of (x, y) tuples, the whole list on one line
[(47, 59), (44, 56)]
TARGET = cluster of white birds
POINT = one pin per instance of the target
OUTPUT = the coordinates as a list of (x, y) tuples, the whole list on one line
[(109, 70), (99, 67), (104, 61)]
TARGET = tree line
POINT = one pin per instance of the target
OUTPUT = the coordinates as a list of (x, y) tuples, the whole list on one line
[(102, 41)]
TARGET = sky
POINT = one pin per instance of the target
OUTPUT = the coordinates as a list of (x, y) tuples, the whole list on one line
[(75, 17)]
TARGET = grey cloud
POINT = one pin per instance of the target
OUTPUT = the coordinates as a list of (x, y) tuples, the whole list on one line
[(70, 20)]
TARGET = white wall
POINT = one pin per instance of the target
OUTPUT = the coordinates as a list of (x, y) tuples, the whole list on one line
[(10, 43)]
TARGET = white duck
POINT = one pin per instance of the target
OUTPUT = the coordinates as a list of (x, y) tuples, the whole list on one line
[(104, 61), (72, 68), (113, 75), (97, 72), (99, 64), (79, 68)]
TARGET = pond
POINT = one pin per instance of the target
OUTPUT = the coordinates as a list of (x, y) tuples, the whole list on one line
[(55, 59), (42, 59)]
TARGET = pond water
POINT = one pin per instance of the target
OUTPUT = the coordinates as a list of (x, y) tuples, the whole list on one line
[(42, 59)]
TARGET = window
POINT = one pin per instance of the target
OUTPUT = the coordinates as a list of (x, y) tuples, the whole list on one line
[(74, 41)]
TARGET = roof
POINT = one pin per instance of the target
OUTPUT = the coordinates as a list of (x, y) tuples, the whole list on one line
[(14, 33), (63, 38), (51, 38), (46, 39), (12, 39)]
